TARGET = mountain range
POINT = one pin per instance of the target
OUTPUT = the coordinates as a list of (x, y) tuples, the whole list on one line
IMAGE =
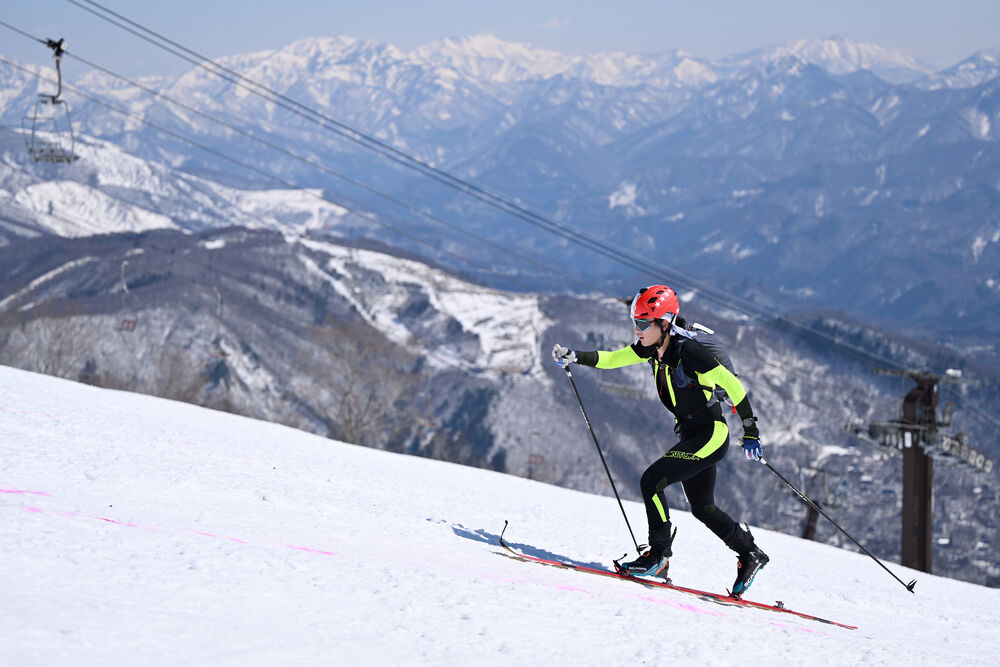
[(840, 174)]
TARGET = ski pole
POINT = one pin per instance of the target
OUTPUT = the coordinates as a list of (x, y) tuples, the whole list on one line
[(592, 435), (816, 507)]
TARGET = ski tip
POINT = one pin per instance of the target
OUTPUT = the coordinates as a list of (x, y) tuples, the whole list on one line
[(911, 585)]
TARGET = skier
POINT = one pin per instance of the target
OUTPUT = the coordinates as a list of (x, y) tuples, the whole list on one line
[(686, 375)]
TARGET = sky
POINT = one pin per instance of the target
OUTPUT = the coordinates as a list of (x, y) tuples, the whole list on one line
[(198, 537), (937, 32)]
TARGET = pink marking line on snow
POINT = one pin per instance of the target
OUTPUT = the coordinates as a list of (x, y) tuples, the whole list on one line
[(39, 510), (572, 589), (221, 537), (718, 613), (116, 522), (686, 606), (46, 415), (23, 492), (312, 551), (477, 574)]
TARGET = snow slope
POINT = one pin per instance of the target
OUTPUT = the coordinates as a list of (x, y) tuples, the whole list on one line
[(141, 531)]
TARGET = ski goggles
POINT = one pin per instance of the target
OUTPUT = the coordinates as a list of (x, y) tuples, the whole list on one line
[(642, 325)]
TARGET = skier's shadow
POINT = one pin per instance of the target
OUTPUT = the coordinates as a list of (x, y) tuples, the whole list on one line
[(481, 535)]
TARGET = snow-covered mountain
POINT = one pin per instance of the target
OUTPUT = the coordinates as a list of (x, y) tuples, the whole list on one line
[(841, 55), (489, 60), (974, 70), (145, 531), (109, 190)]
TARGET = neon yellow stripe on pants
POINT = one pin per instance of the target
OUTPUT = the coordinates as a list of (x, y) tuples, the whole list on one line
[(659, 507), (720, 432), (719, 435)]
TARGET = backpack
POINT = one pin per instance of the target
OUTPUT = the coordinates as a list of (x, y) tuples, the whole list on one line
[(707, 338)]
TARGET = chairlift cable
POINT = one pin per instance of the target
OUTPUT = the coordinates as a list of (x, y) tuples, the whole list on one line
[(319, 118), (796, 328), (578, 237), (471, 263), (573, 235), (611, 252), (288, 184), (329, 171), (325, 169)]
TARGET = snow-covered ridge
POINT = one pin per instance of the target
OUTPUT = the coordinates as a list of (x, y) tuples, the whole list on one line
[(110, 191), (43, 278), (508, 326), (480, 60), (487, 60), (840, 55), (974, 70)]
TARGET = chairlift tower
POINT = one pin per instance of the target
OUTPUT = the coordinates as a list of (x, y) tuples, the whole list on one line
[(916, 437)]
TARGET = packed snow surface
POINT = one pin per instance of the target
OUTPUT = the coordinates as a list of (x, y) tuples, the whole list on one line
[(141, 531)]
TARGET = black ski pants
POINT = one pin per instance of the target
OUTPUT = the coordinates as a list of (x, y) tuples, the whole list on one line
[(691, 462)]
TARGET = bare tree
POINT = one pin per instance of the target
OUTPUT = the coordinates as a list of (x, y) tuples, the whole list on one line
[(51, 344), (181, 376), (372, 383)]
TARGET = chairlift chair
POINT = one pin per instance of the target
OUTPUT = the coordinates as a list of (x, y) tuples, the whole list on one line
[(48, 130), (216, 350), (130, 316)]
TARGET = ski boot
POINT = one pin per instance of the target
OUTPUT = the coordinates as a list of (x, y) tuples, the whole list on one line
[(750, 563), (652, 563)]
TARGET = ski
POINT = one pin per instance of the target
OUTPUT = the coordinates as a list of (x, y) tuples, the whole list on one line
[(718, 598)]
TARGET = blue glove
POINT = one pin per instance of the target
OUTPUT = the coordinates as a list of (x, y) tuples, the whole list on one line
[(752, 448), (563, 356), (751, 440)]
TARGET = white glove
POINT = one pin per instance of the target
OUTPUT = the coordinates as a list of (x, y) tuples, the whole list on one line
[(563, 356)]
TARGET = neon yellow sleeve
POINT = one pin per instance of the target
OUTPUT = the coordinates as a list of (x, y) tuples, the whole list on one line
[(720, 376), (617, 359)]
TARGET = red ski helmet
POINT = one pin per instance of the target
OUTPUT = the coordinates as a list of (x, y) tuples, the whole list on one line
[(655, 303)]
